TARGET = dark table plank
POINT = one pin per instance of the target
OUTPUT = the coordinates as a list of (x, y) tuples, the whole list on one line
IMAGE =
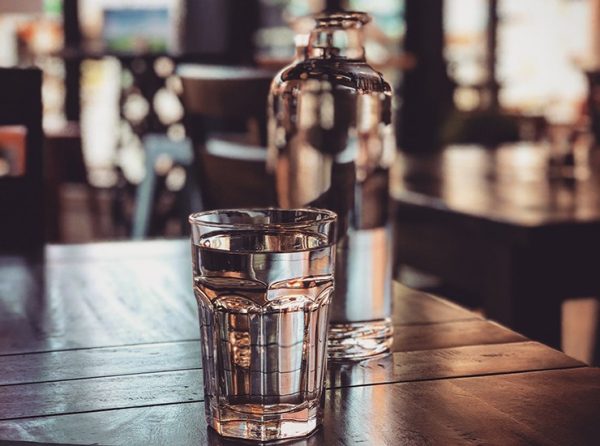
[(185, 355), (99, 362), (133, 390), (533, 408), (451, 334), (547, 408), (452, 362), (416, 307), (75, 303)]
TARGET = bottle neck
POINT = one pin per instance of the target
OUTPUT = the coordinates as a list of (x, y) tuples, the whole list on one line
[(329, 42)]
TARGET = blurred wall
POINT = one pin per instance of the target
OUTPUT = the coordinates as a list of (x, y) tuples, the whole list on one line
[(21, 6)]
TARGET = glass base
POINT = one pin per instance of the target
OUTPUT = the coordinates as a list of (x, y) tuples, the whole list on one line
[(252, 422), (360, 340)]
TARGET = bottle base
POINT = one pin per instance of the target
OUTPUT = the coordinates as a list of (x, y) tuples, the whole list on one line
[(359, 340), (297, 422)]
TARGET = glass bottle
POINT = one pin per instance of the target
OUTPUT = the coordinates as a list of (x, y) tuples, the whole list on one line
[(331, 144)]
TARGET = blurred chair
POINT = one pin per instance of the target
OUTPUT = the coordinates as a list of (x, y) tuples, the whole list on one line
[(64, 164), (231, 164), (180, 152), (22, 223)]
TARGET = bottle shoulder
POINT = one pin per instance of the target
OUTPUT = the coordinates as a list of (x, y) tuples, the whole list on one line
[(340, 73)]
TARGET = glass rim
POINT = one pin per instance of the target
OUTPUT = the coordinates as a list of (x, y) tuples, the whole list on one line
[(338, 18), (326, 215)]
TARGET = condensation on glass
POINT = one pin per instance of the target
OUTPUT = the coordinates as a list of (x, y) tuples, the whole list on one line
[(263, 280), (331, 143)]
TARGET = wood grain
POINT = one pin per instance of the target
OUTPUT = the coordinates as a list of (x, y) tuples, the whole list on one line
[(86, 395), (100, 362), (95, 302), (122, 293), (546, 408), (184, 355), (452, 334), (565, 404), (83, 395), (449, 363), (520, 409), (415, 307)]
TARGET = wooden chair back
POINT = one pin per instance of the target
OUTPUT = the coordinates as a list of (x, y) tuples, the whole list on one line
[(237, 178), (22, 225)]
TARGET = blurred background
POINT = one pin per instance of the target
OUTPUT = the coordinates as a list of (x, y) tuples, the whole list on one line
[(515, 67), (121, 155)]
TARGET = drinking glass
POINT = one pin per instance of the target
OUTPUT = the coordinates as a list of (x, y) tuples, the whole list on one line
[(263, 279)]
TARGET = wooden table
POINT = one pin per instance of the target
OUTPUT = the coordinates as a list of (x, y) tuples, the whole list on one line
[(491, 223), (100, 345)]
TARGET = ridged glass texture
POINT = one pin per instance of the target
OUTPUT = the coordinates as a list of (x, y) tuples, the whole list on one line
[(263, 290)]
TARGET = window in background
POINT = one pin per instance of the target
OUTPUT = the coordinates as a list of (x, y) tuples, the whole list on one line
[(465, 28), (137, 30), (541, 52), (123, 97), (130, 25), (386, 31), (384, 35), (281, 20), (100, 90)]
